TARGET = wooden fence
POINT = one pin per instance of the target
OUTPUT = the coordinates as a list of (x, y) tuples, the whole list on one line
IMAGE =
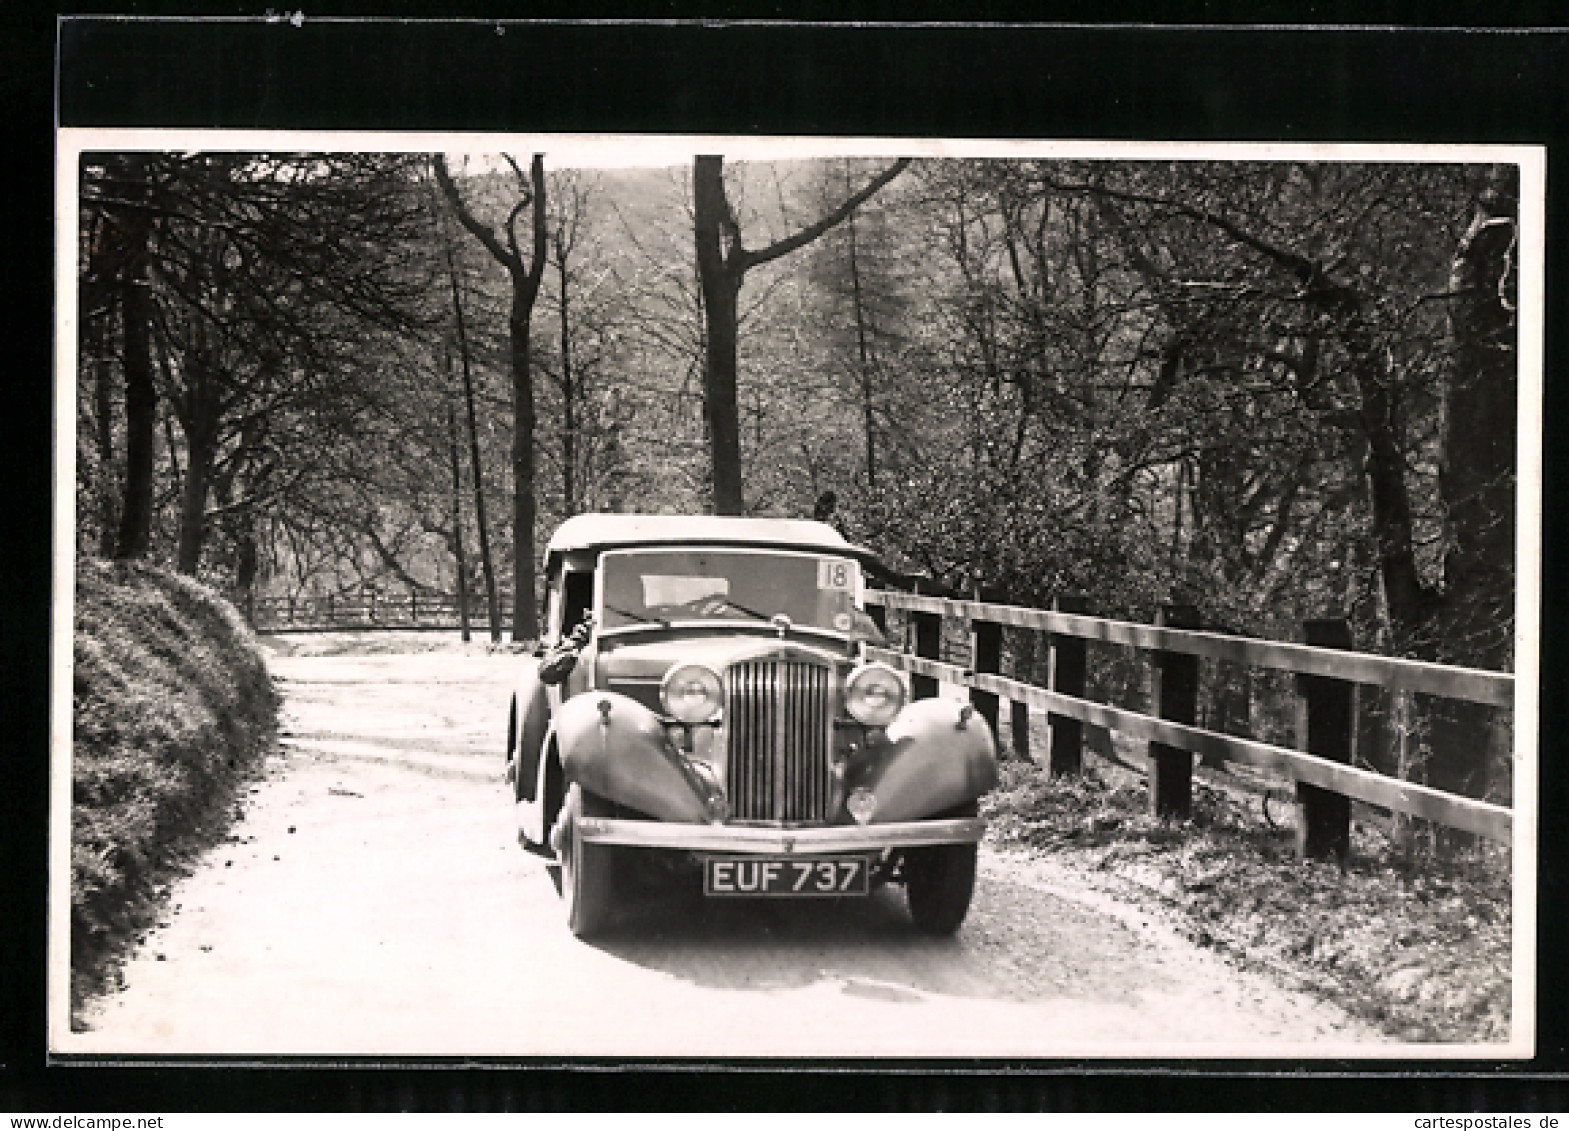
[(368, 611), (1328, 671)]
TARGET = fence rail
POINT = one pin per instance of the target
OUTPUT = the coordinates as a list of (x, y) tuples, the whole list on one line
[(1452, 810), (1325, 780), (1494, 689), (432, 611)]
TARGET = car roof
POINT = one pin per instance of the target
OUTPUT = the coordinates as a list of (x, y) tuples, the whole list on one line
[(595, 532)]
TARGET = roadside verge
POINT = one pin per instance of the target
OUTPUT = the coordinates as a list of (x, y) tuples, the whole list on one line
[(172, 709)]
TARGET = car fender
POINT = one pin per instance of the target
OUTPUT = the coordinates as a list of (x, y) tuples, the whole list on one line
[(612, 745), (939, 754), (533, 705)]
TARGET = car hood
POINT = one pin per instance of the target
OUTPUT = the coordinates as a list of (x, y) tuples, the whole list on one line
[(652, 659)]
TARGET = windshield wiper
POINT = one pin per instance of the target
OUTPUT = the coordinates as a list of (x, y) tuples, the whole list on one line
[(747, 609), (630, 615)]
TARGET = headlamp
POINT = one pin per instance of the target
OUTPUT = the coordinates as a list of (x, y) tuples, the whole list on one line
[(692, 693), (873, 695)]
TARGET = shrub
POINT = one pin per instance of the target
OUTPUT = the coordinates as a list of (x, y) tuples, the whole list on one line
[(172, 708)]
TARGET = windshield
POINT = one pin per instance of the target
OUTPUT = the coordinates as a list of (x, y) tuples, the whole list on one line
[(668, 586)]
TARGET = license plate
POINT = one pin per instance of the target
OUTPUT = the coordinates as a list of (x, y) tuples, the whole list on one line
[(785, 875)]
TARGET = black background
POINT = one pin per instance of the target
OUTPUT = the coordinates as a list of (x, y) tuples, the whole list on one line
[(1213, 79)]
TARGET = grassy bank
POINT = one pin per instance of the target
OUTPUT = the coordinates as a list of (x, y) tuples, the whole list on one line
[(1415, 944), (172, 708)]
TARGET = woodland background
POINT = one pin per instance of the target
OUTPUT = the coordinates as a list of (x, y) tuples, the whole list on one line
[(1276, 391)]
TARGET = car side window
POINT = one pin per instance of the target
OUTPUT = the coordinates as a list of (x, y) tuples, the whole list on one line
[(577, 598)]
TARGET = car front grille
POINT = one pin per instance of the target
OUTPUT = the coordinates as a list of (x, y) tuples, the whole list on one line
[(779, 727)]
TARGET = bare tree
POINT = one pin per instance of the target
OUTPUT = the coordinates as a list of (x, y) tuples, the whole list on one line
[(722, 263), (487, 567), (458, 556), (572, 207), (525, 274)]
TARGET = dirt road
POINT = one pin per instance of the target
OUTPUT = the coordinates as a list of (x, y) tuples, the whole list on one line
[(373, 900)]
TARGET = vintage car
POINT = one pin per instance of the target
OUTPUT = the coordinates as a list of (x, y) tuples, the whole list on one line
[(701, 696)]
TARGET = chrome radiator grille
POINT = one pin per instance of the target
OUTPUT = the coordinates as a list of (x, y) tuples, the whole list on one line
[(780, 727)]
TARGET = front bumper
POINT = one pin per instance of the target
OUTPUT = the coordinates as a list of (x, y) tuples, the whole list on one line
[(777, 841)]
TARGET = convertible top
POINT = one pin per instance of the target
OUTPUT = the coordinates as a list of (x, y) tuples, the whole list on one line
[(595, 532)]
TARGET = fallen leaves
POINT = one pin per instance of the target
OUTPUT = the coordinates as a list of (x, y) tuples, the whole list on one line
[(1419, 946)]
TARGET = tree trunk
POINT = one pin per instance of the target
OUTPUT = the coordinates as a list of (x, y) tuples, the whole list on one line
[(721, 291), (864, 348), (459, 561), (1470, 751), (481, 520), (200, 443), (611, 461), (492, 604), (525, 614), (141, 396), (98, 303), (1477, 475), (721, 406), (1410, 603), (103, 435), (568, 402), (246, 568)]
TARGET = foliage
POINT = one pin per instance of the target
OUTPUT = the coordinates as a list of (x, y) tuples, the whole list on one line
[(172, 707), (264, 293)]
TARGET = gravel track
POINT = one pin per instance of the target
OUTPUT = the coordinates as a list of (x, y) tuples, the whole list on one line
[(373, 901)]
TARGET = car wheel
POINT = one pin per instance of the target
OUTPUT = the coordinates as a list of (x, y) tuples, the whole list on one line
[(586, 876), (938, 883)]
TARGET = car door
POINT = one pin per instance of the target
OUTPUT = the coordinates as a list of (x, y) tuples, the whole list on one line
[(570, 600)]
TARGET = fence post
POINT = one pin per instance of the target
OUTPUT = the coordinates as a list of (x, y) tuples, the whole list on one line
[(1019, 713), (1324, 827), (879, 615), (1066, 664), (928, 643), (330, 620), (1177, 699), (1397, 729), (986, 656)]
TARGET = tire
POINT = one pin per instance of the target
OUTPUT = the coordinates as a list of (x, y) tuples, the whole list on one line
[(515, 776), (513, 761), (586, 869), (938, 884)]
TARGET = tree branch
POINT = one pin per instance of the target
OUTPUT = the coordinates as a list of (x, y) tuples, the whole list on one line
[(512, 229), (745, 260), (475, 227), (1305, 270)]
